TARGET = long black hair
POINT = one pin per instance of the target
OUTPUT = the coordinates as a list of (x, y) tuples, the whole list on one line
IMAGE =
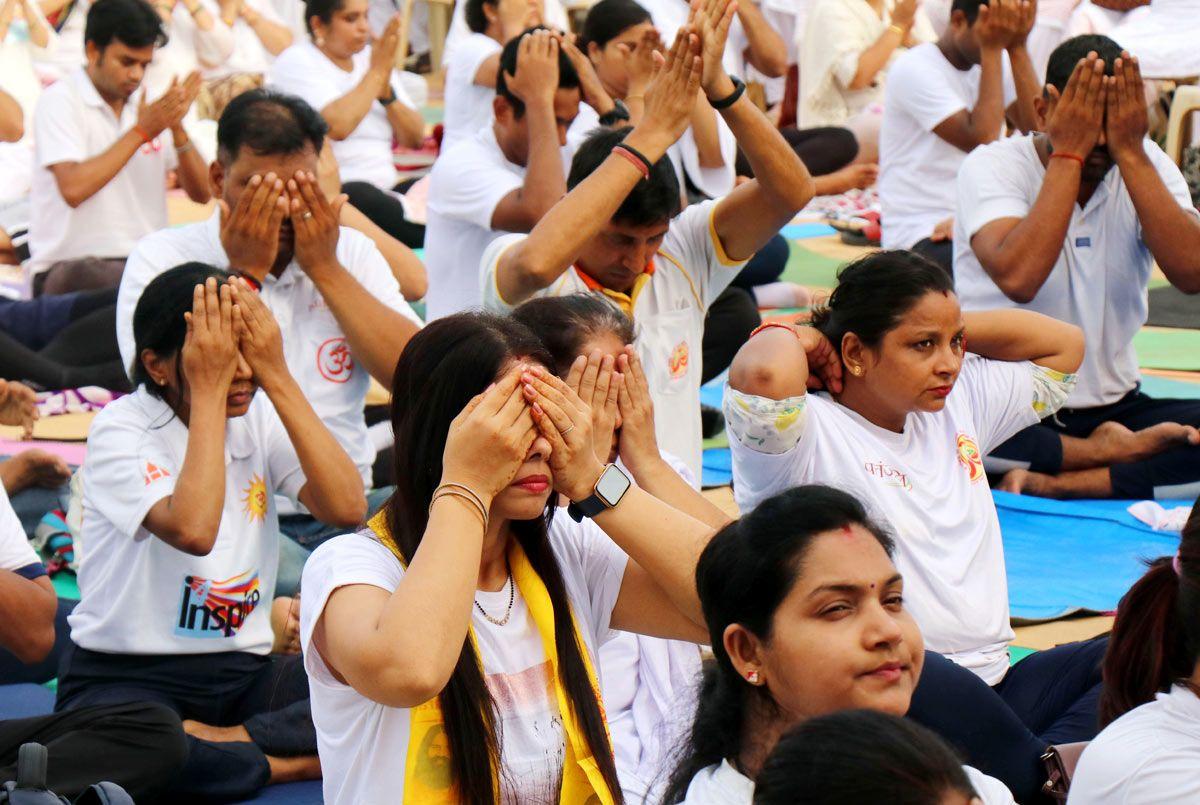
[(875, 292), (743, 575), (440, 370), (158, 321), (565, 323), (608, 19), (857, 756), (1155, 640)]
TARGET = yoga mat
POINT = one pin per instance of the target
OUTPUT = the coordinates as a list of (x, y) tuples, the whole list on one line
[(60, 427), (717, 468), (1170, 387), (71, 452), (66, 586), (25, 701), (308, 793), (1170, 307), (1168, 349), (807, 267), (807, 230), (1066, 556)]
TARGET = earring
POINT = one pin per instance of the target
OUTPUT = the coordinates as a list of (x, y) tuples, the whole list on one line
[(162, 381), (752, 677), (856, 371), (320, 41)]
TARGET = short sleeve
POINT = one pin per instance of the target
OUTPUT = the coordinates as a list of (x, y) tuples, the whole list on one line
[(488, 282), (469, 54), (923, 94), (1171, 176), (587, 553), (341, 562), (989, 191), (990, 790), (296, 75), (16, 554), (1002, 398), (57, 122), (151, 256), (283, 464), (371, 270), (468, 186), (694, 242), (128, 470)]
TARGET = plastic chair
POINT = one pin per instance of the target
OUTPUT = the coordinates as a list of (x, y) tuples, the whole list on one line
[(1185, 102)]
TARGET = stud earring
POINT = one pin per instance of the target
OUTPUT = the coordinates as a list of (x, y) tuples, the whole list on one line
[(856, 371), (752, 677), (320, 41)]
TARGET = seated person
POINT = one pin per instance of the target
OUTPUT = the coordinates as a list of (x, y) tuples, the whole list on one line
[(1149, 749), (551, 13), (1070, 222), (344, 319), (864, 756), (62, 341), (1163, 37), (847, 47), (806, 616), (178, 505), (259, 35), (619, 234), (472, 66), (906, 413), (504, 178), (359, 93), (100, 179), (942, 100)]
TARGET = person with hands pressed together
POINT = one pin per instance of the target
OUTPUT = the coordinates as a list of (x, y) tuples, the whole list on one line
[(179, 506), (507, 176), (418, 631), (1070, 222), (343, 317), (942, 100), (354, 85), (259, 36), (618, 233), (101, 158), (905, 418)]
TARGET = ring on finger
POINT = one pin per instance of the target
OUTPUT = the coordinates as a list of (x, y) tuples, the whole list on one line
[(306, 216), (568, 429)]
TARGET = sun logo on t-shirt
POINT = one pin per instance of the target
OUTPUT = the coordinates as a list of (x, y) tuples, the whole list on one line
[(678, 362), (969, 457), (254, 499)]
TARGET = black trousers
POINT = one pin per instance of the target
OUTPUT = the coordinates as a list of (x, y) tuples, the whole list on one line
[(939, 251), (386, 212), (726, 327), (823, 150), (267, 695), (139, 746), (63, 341)]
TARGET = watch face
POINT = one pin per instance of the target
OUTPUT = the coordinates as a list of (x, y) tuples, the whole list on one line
[(612, 486)]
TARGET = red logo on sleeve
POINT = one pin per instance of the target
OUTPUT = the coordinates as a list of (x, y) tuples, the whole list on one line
[(334, 361), (153, 473)]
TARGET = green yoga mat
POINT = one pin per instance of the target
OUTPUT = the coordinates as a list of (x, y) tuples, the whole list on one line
[(806, 267), (1168, 349), (66, 586)]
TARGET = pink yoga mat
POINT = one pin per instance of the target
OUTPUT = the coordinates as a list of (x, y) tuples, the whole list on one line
[(71, 452)]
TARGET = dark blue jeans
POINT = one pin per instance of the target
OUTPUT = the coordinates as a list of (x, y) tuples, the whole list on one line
[(267, 695), (1050, 697)]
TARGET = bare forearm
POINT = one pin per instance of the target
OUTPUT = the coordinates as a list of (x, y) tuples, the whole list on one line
[(12, 119), (987, 118), (344, 114), (192, 513), (376, 333), (778, 171), (545, 182), (275, 38), (80, 181), (406, 267), (1171, 233), (1022, 335), (39, 32), (875, 58), (706, 135), (193, 173), (765, 49), (1028, 87), (408, 126), (27, 620)]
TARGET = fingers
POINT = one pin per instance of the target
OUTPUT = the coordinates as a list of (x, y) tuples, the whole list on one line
[(497, 394), (575, 374), (225, 309), (591, 371), (514, 405)]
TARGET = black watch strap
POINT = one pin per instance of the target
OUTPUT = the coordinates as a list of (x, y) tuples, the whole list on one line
[(390, 99), (619, 113), (739, 88), (588, 507)]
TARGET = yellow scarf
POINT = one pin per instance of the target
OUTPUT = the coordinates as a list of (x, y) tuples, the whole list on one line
[(582, 782)]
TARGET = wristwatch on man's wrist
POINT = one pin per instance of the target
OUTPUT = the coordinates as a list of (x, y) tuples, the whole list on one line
[(388, 99), (607, 493), (618, 114)]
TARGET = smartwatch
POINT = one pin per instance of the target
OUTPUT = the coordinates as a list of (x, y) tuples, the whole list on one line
[(618, 114), (390, 99), (607, 493)]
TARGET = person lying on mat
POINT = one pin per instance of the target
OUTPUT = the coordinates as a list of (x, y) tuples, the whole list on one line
[(806, 616), (646, 682), (1149, 749), (904, 418), (619, 233), (1069, 222), (451, 645), (181, 529)]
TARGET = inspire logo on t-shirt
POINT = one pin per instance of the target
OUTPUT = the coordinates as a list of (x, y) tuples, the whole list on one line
[(211, 608)]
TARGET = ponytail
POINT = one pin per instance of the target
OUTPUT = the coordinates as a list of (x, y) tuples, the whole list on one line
[(1155, 640)]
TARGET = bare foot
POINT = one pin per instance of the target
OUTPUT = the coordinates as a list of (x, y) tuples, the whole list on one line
[(294, 769), (285, 624), (1023, 482), (1119, 444), (207, 732), (859, 175), (1093, 483)]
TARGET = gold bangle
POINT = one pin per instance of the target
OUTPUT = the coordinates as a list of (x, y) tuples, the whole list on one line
[(898, 29)]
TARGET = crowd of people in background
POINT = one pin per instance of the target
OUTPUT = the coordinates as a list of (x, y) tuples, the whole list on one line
[(395, 479)]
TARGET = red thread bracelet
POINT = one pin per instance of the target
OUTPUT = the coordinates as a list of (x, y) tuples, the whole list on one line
[(141, 132), (621, 151), (1064, 155), (768, 324)]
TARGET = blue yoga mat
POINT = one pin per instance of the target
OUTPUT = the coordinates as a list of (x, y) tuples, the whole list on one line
[(1170, 387), (289, 794), (25, 701), (1066, 556), (810, 230)]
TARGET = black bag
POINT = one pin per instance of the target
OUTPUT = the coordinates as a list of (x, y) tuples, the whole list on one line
[(30, 786)]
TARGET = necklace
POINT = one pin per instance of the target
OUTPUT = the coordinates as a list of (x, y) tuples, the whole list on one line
[(512, 592)]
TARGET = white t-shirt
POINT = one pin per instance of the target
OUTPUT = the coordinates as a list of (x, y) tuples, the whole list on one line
[(249, 54), (468, 105), (554, 15), (363, 744), (366, 155), (180, 604), (1163, 37), (1099, 282), (1149, 756), (16, 554), (722, 784), (314, 345), (917, 168), (73, 124), (466, 185), (927, 485), (67, 53), (690, 271)]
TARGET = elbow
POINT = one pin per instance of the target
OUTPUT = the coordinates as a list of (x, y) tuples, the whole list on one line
[(774, 65), (403, 684), (1018, 293), (861, 80), (199, 194), (12, 131), (35, 645), (347, 512), (1074, 348), (416, 286), (755, 373), (72, 198), (798, 191), (191, 540)]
